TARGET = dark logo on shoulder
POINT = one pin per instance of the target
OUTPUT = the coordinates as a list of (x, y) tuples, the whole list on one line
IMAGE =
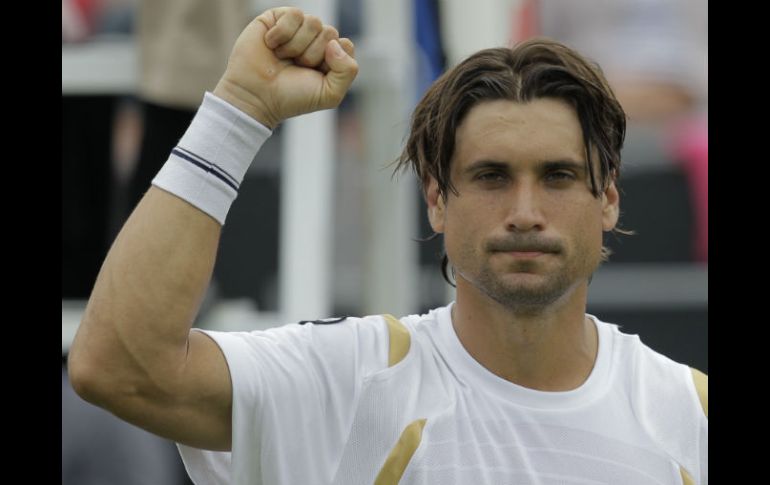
[(324, 321)]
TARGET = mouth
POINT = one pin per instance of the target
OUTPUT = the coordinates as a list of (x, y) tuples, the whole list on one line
[(525, 254), (524, 249)]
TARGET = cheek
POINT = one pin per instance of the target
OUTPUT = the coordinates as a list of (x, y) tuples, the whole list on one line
[(463, 230), (467, 219), (589, 235)]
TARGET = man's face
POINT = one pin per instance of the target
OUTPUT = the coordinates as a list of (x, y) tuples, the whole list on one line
[(524, 228)]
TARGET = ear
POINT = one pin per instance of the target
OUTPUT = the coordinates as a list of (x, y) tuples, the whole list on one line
[(436, 206), (610, 207)]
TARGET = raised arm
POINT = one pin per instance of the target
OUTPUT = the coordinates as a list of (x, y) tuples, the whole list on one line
[(134, 353)]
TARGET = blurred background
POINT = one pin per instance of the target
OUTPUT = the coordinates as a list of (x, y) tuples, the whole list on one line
[(321, 228)]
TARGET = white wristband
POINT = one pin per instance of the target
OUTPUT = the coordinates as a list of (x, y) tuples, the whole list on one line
[(207, 166)]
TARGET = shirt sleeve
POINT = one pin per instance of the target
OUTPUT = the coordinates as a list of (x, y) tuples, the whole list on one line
[(667, 405), (295, 392)]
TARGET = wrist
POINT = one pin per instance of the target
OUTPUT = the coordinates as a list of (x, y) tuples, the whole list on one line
[(208, 165), (243, 100)]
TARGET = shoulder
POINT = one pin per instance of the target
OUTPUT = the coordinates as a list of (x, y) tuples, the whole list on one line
[(649, 374), (631, 350), (660, 371)]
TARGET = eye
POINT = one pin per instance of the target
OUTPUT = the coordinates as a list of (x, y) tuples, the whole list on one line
[(491, 176), (560, 176)]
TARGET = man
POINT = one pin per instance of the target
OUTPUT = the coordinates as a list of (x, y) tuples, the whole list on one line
[(512, 383)]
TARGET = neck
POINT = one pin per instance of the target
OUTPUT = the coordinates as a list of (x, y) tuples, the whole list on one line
[(550, 350)]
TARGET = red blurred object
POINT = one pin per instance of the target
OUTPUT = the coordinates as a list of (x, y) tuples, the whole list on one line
[(79, 19), (691, 148)]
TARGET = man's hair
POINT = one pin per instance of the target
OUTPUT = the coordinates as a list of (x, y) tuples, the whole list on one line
[(536, 68)]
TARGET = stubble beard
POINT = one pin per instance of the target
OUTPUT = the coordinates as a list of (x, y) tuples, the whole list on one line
[(523, 297)]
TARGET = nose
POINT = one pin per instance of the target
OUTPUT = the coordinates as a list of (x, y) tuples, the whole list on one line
[(524, 208)]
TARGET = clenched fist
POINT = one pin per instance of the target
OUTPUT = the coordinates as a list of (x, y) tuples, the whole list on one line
[(286, 63)]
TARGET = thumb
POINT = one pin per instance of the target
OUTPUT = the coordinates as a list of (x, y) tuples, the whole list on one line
[(342, 71)]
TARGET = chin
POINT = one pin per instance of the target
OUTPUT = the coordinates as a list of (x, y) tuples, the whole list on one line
[(521, 290)]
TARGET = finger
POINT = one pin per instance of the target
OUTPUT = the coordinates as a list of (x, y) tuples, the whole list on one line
[(285, 23), (342, 71), (315, 52), (310, 29), (347, 46), (266, 18)]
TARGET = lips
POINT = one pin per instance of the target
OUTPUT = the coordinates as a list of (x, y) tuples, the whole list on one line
[(526, 254), (523, 248)]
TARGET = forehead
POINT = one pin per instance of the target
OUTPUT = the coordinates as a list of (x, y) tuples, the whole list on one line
[(503, 130)]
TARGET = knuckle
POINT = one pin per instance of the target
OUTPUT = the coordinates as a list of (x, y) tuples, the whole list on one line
[(330, 32), (314, 23), (295, 13)]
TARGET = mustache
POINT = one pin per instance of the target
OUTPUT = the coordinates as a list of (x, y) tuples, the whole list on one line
[(523, 244)]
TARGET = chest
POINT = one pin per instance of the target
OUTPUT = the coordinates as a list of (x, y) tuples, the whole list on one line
[(440, 430), (525, 448)]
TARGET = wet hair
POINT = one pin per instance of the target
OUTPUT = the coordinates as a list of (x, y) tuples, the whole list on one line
[(536, 68)]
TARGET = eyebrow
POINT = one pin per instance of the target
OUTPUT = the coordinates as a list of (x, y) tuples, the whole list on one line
[(544, 166)]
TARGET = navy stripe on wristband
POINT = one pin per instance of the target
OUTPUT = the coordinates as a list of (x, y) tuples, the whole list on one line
[(206, 166)]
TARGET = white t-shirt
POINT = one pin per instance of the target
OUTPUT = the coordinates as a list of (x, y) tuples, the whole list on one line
[(378, 400)]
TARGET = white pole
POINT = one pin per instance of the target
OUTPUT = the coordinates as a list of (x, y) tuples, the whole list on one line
[(387, 92), (468, 27), (307, 179)]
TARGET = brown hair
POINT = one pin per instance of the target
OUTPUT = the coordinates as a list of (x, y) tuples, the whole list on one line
[(536, 68)]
